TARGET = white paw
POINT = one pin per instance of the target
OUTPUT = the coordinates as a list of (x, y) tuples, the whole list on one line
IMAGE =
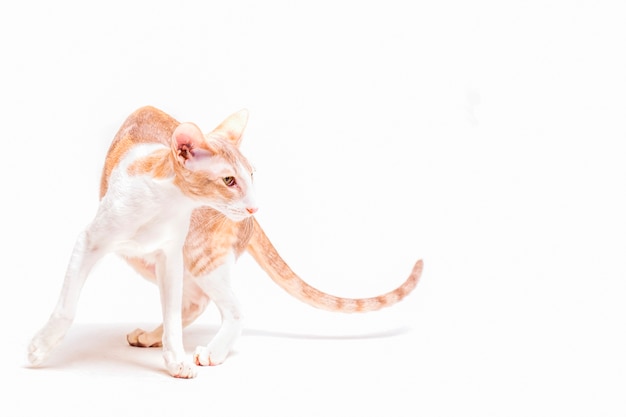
[(178, 368), (205, 356), (45, 341), (38, 351), (181, 370)]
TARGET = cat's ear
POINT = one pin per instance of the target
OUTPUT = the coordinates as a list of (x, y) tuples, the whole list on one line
[(232, 127), (190, 148)]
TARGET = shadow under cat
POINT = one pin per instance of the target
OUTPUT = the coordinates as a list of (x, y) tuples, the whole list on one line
[(105, 345)]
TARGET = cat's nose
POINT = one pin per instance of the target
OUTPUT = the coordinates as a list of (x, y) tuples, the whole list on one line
[(252, 210)]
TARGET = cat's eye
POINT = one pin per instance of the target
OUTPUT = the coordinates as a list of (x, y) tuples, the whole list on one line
[(230, 181)]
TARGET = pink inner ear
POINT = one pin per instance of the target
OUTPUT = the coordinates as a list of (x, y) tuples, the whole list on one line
[(186, 139), (185, 146)]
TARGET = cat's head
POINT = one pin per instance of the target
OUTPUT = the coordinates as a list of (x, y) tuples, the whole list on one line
[(211, 168)]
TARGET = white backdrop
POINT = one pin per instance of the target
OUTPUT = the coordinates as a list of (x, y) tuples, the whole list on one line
[(485, 137)]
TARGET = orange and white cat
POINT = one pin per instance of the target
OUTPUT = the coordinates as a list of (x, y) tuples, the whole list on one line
[(177, 205)]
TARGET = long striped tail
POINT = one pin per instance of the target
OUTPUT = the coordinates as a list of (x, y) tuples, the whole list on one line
[(268, 258)]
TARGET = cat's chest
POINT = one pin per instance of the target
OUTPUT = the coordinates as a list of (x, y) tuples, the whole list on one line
[(159, 222), (153, 236)]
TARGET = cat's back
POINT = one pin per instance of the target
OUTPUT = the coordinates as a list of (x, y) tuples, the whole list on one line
[(145, 125)]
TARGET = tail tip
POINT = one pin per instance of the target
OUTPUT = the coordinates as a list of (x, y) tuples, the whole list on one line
[(417, 270), (419, 265)]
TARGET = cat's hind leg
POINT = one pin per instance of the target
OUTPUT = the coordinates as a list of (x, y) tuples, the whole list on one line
[(216, 284), (84, 257)]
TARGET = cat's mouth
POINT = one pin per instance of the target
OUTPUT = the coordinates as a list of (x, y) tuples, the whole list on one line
[(243, 214), (238, 215), (235, 214), (238, 218)]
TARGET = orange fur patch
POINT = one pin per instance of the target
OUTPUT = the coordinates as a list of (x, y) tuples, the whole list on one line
[(146, 125)]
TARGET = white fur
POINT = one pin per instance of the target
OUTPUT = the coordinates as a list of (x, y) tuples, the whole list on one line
[(143, 217), (205, 161)]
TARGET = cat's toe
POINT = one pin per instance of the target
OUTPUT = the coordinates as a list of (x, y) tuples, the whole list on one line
[(138, 338), (39, 349), (182, 370), (133, 338), (44, 342), (37, 355), (206, 357)]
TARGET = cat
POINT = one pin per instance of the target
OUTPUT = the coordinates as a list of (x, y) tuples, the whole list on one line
[(178, 206)]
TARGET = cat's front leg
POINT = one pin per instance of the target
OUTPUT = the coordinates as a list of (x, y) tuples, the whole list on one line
[(170, 281), (216, 285)]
